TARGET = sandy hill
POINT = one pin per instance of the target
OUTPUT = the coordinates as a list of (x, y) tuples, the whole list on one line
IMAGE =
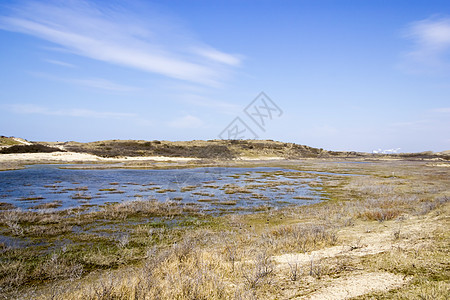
[(210, 149)]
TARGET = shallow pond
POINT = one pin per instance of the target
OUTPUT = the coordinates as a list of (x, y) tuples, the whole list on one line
[(214, 189)]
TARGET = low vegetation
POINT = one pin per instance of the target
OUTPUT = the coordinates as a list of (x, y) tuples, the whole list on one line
[(8, 141), (35, 148), (225, 150), (390, 224)]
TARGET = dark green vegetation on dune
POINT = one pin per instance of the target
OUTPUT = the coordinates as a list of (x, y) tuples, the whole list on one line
[(34, 148), (212, 149), (225, 149)]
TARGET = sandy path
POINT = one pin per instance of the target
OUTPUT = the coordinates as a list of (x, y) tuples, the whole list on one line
[(357, 285), (358, 241), (303, 259)]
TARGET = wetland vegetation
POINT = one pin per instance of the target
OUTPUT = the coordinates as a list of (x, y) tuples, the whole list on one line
[(386, 223)]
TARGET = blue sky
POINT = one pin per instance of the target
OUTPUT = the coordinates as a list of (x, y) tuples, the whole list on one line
[(347, 75)]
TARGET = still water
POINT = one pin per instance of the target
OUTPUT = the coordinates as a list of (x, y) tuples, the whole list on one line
[(212, 188)]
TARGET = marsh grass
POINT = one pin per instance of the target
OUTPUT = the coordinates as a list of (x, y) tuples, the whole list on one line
[(6, 206), (170, 250), (235, 189), (49, 205), (188, 188), (81, 195), (203, 193), (107, 189), (32, 198)]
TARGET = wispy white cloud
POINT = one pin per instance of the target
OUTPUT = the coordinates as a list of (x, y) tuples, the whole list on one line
[(97, 83), (186, 122), (218, 105), (218, 56), (442, 110), (100, 83), (60, 63), (415, 123), (116, 35), (41, 110), (431, 46)]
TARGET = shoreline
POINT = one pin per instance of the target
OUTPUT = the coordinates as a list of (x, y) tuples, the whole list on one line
[(19, 161)]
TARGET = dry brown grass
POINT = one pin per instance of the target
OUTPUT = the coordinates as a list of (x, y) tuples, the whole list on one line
[(234, 257)]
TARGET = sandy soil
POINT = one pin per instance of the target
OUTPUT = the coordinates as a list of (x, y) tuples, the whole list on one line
[(262, 158), (77, 157), (440, 165), (22, 141), (17, 160), (357, 285), (358, 241)]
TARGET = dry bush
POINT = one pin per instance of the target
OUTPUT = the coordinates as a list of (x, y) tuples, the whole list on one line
[(151, 207), (299, 238), (174, 273), (428, 206), (260, 271), (47, 231), (58, 268), (12, 274)]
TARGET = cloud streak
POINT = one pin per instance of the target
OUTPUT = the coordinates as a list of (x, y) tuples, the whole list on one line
[(444, 110), (60, 63), (96, 83), (431, 46), (86, 113), (186, 122), (122, 37)]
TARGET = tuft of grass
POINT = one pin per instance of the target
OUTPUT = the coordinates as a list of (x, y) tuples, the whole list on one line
[(81, 195), (49, 205), (107, 190), (6, 206)]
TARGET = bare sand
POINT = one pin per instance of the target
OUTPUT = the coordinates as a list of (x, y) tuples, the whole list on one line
[(262, 158), (68, 157), (81, 157), (357, 285), (357, 241)]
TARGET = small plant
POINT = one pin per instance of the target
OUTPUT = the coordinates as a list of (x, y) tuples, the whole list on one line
[(261, 272), (315, 269), (81, 195), (123, 240), (293, 271), (230, 253), (15, 228)]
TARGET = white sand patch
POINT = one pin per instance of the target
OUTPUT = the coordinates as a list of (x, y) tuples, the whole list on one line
[(77, 157), (261, 158), (22, 141), (54, 156), (84, 157), (305, 258), (439, 165), (357, 285), (159, 158)]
